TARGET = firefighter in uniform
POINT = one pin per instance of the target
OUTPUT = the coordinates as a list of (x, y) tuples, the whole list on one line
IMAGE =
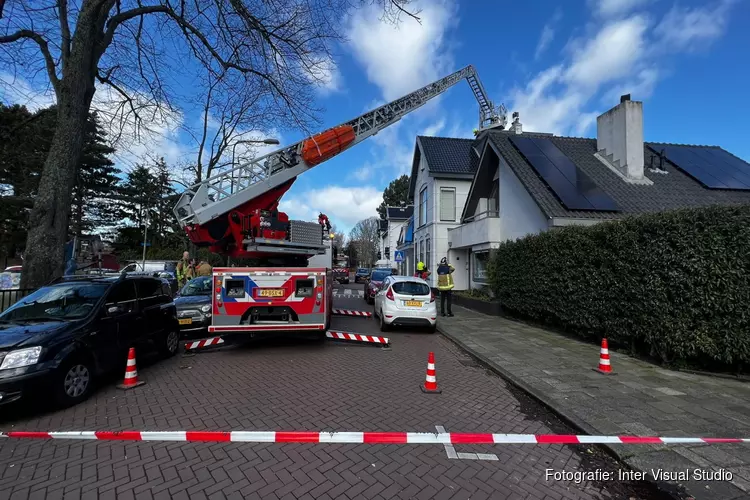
[(445, 285), (204, 269), (422, 271), (185, 270)]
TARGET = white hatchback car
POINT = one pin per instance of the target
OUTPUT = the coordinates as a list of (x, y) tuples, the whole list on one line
[(407, 301)]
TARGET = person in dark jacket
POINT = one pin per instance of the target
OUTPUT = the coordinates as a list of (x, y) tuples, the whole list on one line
[(445, 285)]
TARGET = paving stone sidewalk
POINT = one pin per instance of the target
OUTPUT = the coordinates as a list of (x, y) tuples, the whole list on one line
[(641, 399)]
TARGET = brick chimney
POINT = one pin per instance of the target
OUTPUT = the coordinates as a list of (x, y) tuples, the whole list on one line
[(619, 137)]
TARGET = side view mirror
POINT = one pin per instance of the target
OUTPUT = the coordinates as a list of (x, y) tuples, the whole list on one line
[(115, 310)]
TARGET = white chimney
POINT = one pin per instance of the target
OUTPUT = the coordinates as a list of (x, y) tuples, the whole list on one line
[(515, 127), (619, 137)]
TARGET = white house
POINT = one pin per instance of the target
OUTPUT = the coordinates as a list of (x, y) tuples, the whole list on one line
[(441, 177), (390, 229), (525, 183)]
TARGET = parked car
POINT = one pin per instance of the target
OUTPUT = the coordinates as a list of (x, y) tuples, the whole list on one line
[(406, 301), (362, 274), (166, 269), (341, 274), (10, 279), (60, 338), (193, 304), (373, 284)]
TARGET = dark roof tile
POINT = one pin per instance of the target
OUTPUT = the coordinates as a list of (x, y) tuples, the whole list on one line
[(399, 213), (669, 191), (446, 155)]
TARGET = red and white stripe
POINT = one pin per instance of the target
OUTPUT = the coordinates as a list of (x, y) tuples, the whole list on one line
[(131, 372), (361, 437), (356, 337), (349, 312), (204, 343)]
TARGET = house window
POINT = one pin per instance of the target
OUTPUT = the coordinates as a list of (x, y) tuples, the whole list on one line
[(421, 251), (479, 265), (448, 204), (423, 206), (493, 203), (427, 253)]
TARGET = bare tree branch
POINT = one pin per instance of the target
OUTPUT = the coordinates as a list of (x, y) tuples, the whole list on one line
[(62, 13), (43, 47)]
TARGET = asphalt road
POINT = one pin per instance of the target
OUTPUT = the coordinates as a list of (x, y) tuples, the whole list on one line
[(304, 385)]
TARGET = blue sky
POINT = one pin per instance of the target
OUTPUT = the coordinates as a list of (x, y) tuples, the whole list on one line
[(558, 66)]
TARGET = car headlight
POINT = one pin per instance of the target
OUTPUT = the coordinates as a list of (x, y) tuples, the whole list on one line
[(21, 357), (206, 308)]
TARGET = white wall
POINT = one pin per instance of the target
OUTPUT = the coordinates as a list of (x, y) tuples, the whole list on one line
[(519, 213), (460, 260)]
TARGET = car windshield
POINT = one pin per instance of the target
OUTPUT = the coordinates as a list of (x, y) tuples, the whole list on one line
[(411, 288), (363, 270), (198, 286), (380, 275), (64, 301)]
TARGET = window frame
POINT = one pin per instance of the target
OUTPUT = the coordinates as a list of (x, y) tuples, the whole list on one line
[(451, 190), (474, 266), (134, 301), (423, 205), (428, 254)]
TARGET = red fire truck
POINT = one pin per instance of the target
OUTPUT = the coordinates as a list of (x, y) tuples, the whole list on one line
[(235, 213)]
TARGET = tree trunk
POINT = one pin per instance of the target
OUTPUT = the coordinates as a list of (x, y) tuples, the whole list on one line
[(48, 221)]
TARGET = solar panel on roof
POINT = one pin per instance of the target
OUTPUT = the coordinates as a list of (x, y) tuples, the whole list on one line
[(574, 189), (712, 167)]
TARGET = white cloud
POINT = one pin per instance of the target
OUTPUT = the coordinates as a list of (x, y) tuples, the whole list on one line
[(624, 56), (400, 59), (344, 205), (686, 28), (324, 73), (610, 55), (362, 174), (548, 34), (611, 8)]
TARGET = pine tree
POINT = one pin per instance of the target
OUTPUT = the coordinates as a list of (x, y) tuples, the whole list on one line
[(97, 183)]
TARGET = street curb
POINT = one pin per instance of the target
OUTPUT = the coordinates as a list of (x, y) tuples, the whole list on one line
[(572, 420)]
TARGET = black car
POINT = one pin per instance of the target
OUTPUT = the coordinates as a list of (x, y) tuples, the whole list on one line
[(362, 274), (341, 274), (63, 336), (193, 304)]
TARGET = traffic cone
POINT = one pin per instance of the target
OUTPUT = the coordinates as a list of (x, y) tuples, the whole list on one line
[(430, 384), (604, 366), (131, 373)]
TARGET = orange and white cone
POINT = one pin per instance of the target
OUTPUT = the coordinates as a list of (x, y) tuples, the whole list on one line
[(430, 384), (131, 373), (604, 365)]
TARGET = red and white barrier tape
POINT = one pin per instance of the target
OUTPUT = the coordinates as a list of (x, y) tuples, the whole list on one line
[(204, 343), (356, 336), (349, 312), (360, 437)]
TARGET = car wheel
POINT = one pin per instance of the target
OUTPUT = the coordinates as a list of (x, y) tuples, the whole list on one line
[(433, 328), (74, 381), (383, 325), (170, 343)]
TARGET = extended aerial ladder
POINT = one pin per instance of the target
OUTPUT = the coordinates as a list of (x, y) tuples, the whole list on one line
[(235, 213)]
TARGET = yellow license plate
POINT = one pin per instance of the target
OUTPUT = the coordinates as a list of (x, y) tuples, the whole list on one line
[(187, 321), (413, 303), (271, 292)]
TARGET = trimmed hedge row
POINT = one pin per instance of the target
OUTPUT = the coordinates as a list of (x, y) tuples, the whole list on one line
[(672, 285)]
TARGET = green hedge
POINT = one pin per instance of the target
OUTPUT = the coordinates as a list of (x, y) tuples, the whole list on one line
[(673, 285)]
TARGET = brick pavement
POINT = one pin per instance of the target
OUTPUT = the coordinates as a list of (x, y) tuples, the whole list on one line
[(294, 386), (641, 399)]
